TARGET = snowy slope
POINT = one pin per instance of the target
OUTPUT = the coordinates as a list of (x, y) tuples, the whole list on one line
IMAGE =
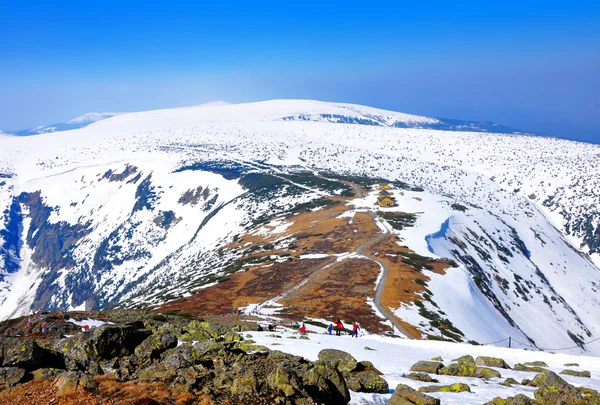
[(76, 123), (136, 208), (394, 357)]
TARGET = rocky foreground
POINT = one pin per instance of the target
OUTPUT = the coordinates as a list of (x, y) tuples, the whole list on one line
[(142, 358)]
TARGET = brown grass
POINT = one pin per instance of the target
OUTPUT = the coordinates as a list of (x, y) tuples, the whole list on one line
[(339, 291), (109, 391), (400, 286)]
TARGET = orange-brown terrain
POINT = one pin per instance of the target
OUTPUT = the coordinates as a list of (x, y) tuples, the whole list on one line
[(317, 287), (108, 392)]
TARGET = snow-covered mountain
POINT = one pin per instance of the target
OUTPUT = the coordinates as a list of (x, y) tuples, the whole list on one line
[(4, 134), (76, 123), (140, 208)]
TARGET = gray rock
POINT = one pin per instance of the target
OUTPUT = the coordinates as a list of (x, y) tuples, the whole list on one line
[(10, 376), (431, 367)]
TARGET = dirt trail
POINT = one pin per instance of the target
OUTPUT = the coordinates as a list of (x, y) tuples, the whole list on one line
[(361, 250)]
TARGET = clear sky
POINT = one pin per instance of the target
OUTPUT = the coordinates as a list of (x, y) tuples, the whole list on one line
[(532, 65)]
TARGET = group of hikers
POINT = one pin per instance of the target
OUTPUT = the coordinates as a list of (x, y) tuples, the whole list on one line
[(42, 328), (339, 326)]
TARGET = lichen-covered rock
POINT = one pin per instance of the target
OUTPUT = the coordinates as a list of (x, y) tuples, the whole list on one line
[(469, 370), (369, 348), (523, 367), (535, 364), (285, 382), (405, 395), (155, 345), (438, 358), (339, 359), (509, 382), (458, 387), (431, 367), (568, 394), (519, 399), (103, 343), (73, 380), (424, 377), (548, 379), (367, 381), (22, 353), (325, 383), (465, 359), (304, 337), (367, 365), (584, 374), (47, 374), (491, 362), (10, 376), (571, 364), (526, 381), (231, 336)]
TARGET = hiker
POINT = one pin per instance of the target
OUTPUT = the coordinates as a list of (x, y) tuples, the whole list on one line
[(303, 329), (260, 328), (271, 328), (330, 329), (355, 329), (339, 326), (29, 325)]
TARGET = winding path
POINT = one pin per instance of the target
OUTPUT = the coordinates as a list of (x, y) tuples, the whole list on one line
[(384, 267)]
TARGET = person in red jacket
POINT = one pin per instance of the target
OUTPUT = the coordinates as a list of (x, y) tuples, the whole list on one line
[(355, 329), (339, 328), (303, 329)]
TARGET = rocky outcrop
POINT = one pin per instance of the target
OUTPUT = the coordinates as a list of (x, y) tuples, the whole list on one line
[(205, 359), (431, 367), (458, 387), (552, 390), (584, 374), (469, 370), (405, 395), (491, 362)]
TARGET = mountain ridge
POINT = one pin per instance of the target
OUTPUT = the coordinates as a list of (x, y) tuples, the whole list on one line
[(148, 206)]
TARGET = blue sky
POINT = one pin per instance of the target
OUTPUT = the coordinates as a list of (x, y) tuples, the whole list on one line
[(531, 65)]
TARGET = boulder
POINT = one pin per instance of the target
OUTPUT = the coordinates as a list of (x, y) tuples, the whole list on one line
[(367, 381), (367, 365), (548, 379), (432, 367), (304, 337), (22, 353), (519, 399), (155, 345), (405, 395), (284, 382), (438, 358), (523, 367), (368, 348), (491, 362), (469, 370), (465, 359), (535, 364), (566, 395), (72, 380), (103, 343), (458, 387), (509, 382), (325, 383), (10, 376), (341, 360), (424, 377), (47, 374), (571, 365), (584, 374)]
